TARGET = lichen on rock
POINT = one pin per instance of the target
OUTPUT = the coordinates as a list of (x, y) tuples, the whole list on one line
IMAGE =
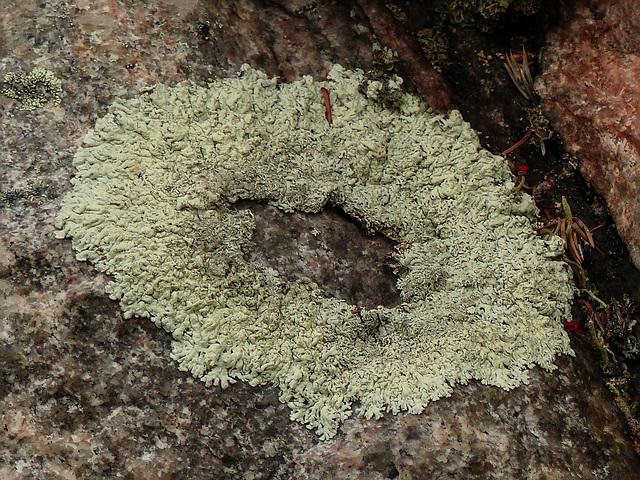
[(151, 206), (33, 90)]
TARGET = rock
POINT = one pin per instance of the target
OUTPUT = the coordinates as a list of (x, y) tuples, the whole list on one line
[(88, 394), (590, 89)]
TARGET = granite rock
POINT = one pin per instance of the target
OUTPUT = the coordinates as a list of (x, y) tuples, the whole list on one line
[(87, 394), (590, 89)]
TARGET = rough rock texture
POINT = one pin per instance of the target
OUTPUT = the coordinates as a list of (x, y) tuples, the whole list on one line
[(590, 89), (412, 61), (86, 394), (322, 247)]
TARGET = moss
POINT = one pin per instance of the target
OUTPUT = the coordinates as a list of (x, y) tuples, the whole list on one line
[(482, 298)]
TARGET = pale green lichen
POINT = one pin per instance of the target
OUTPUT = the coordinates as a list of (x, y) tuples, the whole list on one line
[(151, 207), (33, 90)]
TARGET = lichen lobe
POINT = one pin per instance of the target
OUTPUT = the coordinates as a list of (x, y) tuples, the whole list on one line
[(151, 206)]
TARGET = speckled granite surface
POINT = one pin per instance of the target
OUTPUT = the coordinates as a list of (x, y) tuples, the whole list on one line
[(589, 88), (86, 394)]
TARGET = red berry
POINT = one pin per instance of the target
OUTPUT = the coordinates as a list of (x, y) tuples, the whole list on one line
[(523, 168)]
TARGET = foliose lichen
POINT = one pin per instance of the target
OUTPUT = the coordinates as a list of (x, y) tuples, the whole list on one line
[(151, 205)]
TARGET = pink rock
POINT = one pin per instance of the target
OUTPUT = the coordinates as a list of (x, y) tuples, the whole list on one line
[(590, 89)]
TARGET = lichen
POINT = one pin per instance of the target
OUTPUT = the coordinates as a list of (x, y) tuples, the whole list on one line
[(151, 206), (33, 90)]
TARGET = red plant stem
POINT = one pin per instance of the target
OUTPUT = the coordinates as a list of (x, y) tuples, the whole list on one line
[(412, 61), (327, 103), (519, 144)]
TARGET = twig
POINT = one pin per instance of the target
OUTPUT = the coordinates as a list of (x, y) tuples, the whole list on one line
[(327, 103), (518, 144)]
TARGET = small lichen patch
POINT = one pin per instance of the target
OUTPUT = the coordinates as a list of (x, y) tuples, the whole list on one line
[(151, 206), (33, 90)]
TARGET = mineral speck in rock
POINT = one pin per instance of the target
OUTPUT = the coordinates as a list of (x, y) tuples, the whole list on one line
[(153, 206)]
